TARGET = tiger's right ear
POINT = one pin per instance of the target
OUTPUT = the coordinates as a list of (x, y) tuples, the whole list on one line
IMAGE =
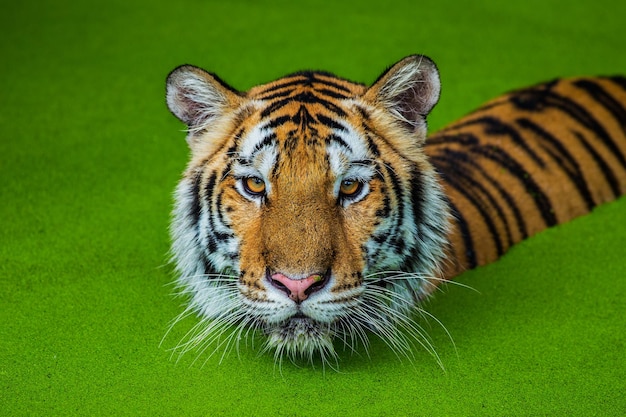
[(197, 97), (408, 90)]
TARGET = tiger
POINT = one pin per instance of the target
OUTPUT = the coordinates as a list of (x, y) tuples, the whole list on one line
[(316, 212)]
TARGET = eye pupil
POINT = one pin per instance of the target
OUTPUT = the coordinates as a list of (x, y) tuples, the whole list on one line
[(254, 185)]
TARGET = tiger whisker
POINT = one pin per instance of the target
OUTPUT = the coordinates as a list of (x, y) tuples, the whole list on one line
[(403, 321), (406, 276)]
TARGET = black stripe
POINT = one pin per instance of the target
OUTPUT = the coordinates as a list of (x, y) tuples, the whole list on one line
[(470, 252), (399, 195), (304, 97), (301, 83), (608, 173), (328, 122), (208, 188), (227, 168), (507, 197), (417, 196), (232, 151), (459, 178), (380, 238), (385, 211), (195, 209), (220, 236), (338, 141), (277, 165), (563, 158), (543, 98), (398, 243), (277, 122), (372, 134), (275, 106), (493, 126), (331, 93), (502, 158), (302, 118), (533, 99), (371, 146), (289, 83), (619, 80), (308, 79), (417, 204), (267, 141), (365, 162), (330, 83), (397, 188), (364, 113), (209, 269), (465, 139), (453, 157), (212, 234), (218, 204), (605, 99), (280, 94)]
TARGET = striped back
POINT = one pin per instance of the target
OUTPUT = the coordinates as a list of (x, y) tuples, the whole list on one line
[(529, 160)]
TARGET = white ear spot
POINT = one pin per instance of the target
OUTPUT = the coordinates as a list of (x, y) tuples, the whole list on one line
[(408, 90), (196, 97)]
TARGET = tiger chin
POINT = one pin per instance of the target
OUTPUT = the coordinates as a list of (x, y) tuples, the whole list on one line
[(314, 211), (308, 211)]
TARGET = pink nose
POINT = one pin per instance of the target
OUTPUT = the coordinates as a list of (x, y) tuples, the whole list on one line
[(298, 289)]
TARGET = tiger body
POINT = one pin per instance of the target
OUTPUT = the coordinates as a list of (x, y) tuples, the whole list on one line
[(314, 208), (529, 160)]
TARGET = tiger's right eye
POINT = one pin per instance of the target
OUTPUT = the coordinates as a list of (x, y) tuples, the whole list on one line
[(254, 186), (350, 188)]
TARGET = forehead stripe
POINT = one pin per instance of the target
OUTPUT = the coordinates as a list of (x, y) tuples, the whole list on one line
[(325, 78), (289, 91), (327, 121), (307, 78), (307, 98), (256, 139), (267, 141), (339, 141), (332, 94), (278, 121), (289, 83)]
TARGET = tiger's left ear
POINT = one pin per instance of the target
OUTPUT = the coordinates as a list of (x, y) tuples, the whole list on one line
[(408, 90), (198, 98)]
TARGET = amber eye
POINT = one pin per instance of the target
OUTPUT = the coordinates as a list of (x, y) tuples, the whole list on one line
[(254, 185), (350, 188)]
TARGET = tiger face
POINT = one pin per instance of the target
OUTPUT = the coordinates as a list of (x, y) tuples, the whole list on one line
[(308, 211)]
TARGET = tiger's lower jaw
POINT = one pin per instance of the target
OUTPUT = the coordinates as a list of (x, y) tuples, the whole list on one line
[(301, 338)]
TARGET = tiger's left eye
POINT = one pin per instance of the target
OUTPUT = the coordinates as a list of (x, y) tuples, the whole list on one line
[(350, 188), (254, 185)]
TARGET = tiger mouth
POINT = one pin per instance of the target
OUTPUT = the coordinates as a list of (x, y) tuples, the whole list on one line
[(299, 325), (299, 333)]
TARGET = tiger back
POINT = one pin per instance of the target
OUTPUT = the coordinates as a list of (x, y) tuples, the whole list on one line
[(529, 160)]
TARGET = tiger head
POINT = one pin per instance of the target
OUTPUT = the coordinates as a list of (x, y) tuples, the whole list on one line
[(308, 211)]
